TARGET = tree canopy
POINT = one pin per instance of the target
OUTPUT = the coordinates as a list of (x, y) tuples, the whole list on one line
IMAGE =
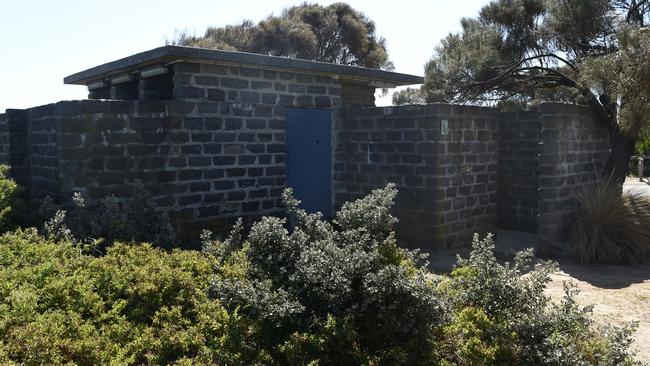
[(408, 96), (335, 33), (525, 51)]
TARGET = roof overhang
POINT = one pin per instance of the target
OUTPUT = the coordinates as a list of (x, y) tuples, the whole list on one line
[(166, 55)]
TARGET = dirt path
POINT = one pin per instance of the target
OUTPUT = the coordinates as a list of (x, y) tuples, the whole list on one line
[(619, 294)]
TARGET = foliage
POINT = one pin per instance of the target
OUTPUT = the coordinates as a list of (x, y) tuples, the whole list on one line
[(335, 293), (136, 220), (335, 33), (526, 51), (9, 201), (611, 228), (135, 305), (408, 96), (501, 316), (499, 289), (643, 147), (300, 290)]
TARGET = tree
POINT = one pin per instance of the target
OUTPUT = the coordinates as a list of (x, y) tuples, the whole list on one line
[(336, 33), (408, 96), (585, 51)]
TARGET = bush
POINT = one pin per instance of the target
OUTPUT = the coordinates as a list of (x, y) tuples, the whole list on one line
[(9, 202), (611, 228), (501, 316), (332, 293), (135, 305), (134, 220), (326, 293)]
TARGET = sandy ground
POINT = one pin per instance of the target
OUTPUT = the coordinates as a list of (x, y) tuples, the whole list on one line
[(619, 294), (636, 186)]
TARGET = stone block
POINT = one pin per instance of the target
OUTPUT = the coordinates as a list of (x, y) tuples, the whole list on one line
[(216, 95), (189, 92), (234, 83), (213, 123), (193, 123), (189, 199), (200, 161), (234, 148), (233, 123), (223, 185), (206, 80)]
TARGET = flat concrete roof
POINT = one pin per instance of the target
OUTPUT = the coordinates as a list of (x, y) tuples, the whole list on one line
[(171, 54)]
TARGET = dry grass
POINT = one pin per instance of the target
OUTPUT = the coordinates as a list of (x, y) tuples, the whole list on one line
[(612, 228)]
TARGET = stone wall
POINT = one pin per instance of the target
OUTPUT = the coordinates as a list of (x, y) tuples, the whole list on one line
[(197, 165), (357, 95), (44, 143), (216, 150), (4, 138), (447, 181), (518, 174), (573, 152), (13, 144), (205, 160), (246, 86)]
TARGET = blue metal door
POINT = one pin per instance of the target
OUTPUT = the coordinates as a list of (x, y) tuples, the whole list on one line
[(309, 158)]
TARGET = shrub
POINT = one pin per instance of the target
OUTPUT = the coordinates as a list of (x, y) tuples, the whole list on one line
[(134, 220), (318, 292), (9, 202), (611, 228), (332, 293), (501, 316), (135, 305)]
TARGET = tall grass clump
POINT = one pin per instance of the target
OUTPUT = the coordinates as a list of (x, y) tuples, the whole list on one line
[(611, 227)]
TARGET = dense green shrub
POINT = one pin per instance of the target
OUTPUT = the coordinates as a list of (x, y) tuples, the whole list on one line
[(501, 316), (9, 202), (611, 227), (135, 305)]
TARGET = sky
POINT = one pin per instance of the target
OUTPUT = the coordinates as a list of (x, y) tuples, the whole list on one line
[(43, 40)]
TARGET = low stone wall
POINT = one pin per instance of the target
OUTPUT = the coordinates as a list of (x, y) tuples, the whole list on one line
[(573, 152), (447, 180)]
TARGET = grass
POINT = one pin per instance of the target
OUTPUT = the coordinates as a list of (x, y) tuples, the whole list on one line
[(612, 227)]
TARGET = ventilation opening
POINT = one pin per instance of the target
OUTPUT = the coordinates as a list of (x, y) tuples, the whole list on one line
[(159, 87)]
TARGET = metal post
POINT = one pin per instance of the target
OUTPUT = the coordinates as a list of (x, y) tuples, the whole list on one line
[(641, 168)]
